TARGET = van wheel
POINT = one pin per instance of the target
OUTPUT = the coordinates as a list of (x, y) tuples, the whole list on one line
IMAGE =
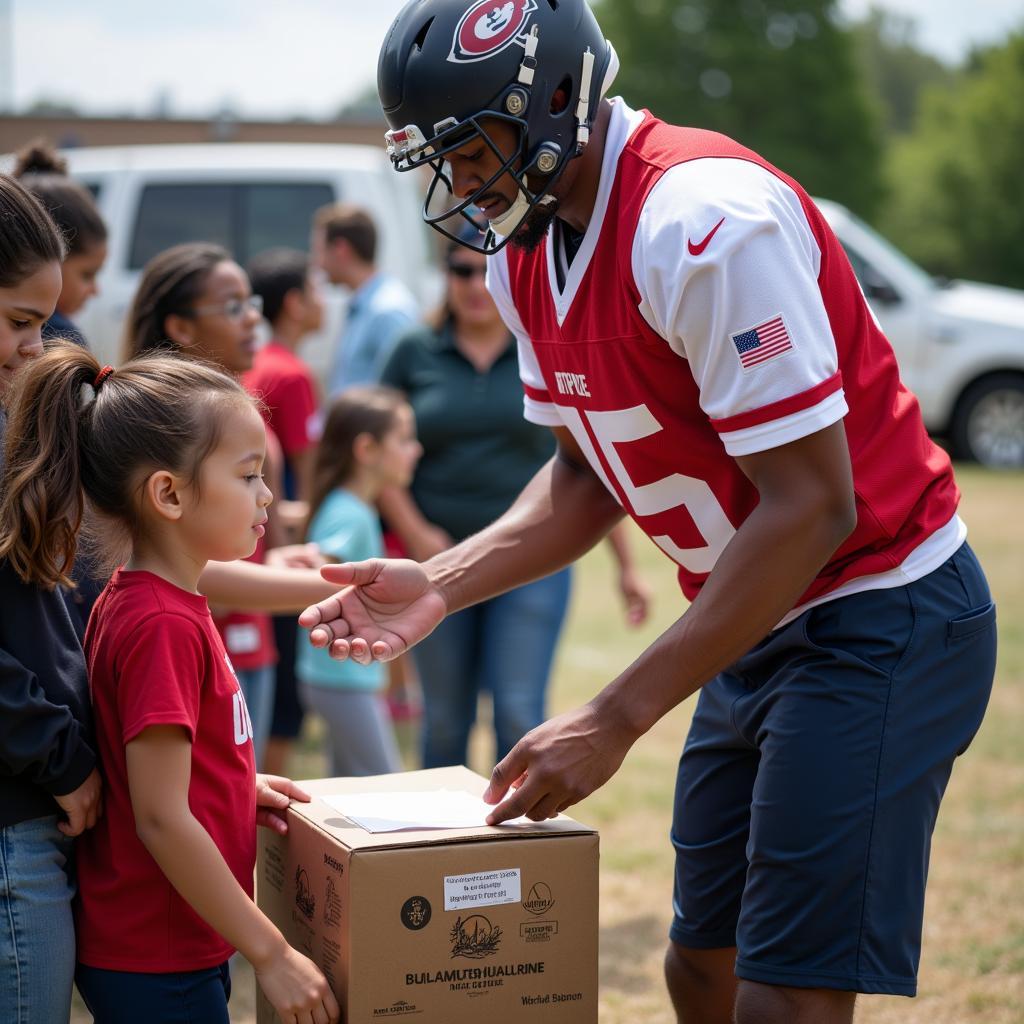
[(988, 425)]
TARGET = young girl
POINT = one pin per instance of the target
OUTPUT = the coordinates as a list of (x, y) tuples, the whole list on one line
[(49, 785), (44, 173), (194, 299), (171, 453), (369, 442)]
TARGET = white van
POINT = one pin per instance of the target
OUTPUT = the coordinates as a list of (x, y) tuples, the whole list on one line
[(247, 198), (960, 345)]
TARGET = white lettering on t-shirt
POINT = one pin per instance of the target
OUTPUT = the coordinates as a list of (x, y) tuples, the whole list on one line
[(572, 384), (240, 716)]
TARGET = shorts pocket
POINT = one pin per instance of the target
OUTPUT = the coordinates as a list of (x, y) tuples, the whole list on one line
[(971, 622)]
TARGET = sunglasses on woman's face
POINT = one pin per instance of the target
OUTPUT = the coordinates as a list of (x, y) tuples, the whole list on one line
[(465, 271)]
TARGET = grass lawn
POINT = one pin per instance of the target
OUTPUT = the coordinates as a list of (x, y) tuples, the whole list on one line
[(972, 969)]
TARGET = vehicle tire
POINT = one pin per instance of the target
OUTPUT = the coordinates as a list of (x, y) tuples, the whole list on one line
[(988, 424)]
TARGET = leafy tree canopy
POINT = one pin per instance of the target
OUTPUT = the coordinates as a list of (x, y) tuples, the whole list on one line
[(779, 76)]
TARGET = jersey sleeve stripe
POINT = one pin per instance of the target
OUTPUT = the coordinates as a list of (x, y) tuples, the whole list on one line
[(778, 410), (543, 413), (774, 433), (536, 394)]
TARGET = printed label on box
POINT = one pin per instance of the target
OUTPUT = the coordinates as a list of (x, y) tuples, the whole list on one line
[(482, 889)]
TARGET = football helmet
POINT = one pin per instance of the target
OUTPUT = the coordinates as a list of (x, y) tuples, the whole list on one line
[(447, 67)]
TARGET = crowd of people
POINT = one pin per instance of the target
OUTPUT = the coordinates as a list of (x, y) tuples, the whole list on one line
[(179, 505)]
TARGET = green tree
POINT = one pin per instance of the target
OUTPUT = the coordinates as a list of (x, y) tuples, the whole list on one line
[(956, 181), (777, 75), (894, 69)]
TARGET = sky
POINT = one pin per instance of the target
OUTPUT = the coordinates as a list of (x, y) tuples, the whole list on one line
[(282, 58)]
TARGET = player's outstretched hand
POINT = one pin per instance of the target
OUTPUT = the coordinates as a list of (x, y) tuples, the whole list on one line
[(556, 765), (386, 606)]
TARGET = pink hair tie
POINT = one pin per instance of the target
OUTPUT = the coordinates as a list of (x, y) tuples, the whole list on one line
[(101, 377)]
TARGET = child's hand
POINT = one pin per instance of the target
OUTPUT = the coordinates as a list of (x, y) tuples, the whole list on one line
[(83, 806), (272, 796), (297, 989)]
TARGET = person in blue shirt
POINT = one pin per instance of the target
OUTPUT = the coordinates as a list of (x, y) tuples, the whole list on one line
[(380, 308), (369, 443)]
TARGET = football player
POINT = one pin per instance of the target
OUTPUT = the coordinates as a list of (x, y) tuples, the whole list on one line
[(692, 331)]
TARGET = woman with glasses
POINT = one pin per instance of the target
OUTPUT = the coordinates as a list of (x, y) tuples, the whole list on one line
[(196, 300), (460, 374)]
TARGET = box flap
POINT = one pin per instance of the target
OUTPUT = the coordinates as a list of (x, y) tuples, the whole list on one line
[(355, 837)]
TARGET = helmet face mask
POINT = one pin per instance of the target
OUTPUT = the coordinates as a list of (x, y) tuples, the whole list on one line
[(450, 68), (441, 204)]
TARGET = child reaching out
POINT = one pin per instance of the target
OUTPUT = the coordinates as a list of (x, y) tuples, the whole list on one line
[(171, 453), (369, 443)]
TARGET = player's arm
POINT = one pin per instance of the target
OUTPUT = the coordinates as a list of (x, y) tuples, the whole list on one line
[(806, 510), (386, 606), (559, 516), (159, 764)]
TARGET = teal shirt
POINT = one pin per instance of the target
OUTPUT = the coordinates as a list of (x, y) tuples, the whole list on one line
[(348, 529)]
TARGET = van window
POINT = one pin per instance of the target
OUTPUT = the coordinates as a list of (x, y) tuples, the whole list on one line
[(244, 218), (873, 283), (274, 215), (170, 214)]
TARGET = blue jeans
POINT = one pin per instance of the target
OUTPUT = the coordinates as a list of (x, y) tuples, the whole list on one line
[(184, 997), (37, 933), (258, 689), (505, 645)]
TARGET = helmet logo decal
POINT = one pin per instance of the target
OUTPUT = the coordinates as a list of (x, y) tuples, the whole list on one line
[(490, 26)]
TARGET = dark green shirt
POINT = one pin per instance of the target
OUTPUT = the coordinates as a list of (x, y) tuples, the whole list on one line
[(478, 450)]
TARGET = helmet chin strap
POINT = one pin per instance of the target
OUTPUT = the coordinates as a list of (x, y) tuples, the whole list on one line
[(508, 222), (513, 217)]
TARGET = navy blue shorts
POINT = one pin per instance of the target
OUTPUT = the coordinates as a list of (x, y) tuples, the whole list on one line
[(811, 778), (184, 997)]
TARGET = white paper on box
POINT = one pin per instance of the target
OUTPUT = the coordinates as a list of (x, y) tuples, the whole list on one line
[(482, 889), (392, 812)]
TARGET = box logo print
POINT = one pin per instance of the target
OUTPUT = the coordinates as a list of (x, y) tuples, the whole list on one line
[(474, 937), (415, 913), (304, 898), (539, 900)]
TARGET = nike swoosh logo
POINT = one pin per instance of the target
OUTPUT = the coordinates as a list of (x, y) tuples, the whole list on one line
[(696, 250)]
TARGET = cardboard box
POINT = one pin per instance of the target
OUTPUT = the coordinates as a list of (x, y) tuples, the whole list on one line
[(440, 925)]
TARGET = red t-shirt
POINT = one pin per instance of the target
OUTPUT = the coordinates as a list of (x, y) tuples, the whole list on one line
[(284, 383), (155, 658)]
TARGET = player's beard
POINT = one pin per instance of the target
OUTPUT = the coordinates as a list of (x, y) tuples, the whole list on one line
[(533, 229)]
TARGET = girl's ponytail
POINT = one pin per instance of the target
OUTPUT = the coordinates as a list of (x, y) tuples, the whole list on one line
[(41, 498)]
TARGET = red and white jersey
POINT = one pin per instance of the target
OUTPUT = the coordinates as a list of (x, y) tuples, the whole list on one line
[(710, 312)]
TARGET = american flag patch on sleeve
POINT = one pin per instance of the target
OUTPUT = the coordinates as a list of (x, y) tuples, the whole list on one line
[(756, 345)]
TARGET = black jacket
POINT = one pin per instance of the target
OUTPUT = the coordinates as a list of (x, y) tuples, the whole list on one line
[(45, 715)]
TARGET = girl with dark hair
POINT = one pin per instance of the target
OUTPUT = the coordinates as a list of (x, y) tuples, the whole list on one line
[(44, 173), (169, 454), (369, 443), (195, 299), (49, 785)]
